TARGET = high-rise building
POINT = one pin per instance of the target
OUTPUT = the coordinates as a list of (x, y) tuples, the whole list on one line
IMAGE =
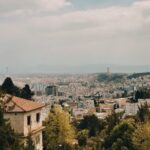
[(51, 90)]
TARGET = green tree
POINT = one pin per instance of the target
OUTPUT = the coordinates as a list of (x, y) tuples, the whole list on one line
[(9, 87), (58, 129), (112, 121), (138, 95), (141, 137), (120, 137), (92, 124), (82, 137), (8, 139), (26, 92), (29, 143), (143, 113)]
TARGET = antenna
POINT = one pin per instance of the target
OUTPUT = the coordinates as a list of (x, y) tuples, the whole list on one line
[(108, 70)]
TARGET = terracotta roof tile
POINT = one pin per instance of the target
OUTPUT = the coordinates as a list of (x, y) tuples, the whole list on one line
[(22, 105)]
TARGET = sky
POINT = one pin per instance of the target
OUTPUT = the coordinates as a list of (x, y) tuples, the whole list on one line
[(37, 34)]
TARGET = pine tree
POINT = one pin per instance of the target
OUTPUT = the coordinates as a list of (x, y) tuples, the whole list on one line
[(26, 92), (9, 87)]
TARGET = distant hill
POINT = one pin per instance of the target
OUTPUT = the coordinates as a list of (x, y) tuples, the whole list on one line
[(117, 77), (137, 75), (103, 77)]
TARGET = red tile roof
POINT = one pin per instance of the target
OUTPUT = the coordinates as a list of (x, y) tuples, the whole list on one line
[(17, 104)]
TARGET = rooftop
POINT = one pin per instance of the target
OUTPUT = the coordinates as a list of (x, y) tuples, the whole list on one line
[(16, 104)]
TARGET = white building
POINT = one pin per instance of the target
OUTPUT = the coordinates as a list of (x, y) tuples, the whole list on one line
[(79, 113)]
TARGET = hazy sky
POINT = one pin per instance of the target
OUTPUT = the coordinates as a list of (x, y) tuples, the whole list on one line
[(74, 32)]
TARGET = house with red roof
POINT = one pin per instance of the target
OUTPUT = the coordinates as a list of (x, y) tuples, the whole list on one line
[(25, 118)]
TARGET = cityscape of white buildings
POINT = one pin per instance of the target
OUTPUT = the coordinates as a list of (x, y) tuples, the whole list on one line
[(83, 94), (80, 95)]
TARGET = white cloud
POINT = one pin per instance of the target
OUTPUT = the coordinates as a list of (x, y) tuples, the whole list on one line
[(104, 22), (30, 6), (52, 4), (116, 34)]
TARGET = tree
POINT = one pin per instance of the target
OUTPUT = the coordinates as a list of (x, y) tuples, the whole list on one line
[(112, 121), (26, 92), (58, 129), (141, 137), (9, 87), (29, 143), (143, 113), (119, 145), (138, 95), (82, 137), (8, 139), (143, 93), (92, 124), (120, 138)]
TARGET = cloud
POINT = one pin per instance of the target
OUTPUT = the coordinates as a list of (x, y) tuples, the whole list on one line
[(114, 34), (102, 22), (30, 6)]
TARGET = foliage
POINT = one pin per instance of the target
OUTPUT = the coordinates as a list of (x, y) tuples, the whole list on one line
[(143, 113), (29, 143), (142, 94), (141, 137), (137, 75), (8, 87), (113, 120), (82, 137), (26, 92), (120, 137), (58, 129), (92, 124), (8, 139), (108, 78), (95, 143)]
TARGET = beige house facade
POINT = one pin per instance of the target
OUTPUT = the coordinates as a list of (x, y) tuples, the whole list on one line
[(25, 118)]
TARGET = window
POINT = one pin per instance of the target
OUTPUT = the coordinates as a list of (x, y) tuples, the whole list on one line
[(28, 120), (38, 117)]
